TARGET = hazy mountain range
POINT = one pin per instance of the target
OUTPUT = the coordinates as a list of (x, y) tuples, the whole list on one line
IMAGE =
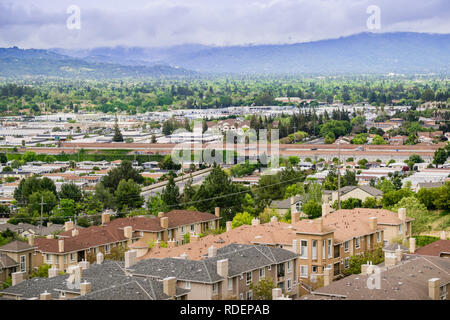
[(377, 53)]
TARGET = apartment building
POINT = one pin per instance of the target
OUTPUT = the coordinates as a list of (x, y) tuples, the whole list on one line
[(356, 192), (104, 280), (16, 256), (225, 273), (401, 277), (75, 245)]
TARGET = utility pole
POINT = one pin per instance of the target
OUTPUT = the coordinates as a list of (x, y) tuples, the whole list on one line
[(339, 174), (42, 209)]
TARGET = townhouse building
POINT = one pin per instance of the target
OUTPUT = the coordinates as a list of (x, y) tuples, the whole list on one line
[(75, 245), (225, 273)]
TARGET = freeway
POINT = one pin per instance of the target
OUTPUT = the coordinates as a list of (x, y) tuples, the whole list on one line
[(197, 178)]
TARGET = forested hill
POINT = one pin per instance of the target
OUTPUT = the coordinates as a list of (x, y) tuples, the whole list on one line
[(362, 53), (19, 63)]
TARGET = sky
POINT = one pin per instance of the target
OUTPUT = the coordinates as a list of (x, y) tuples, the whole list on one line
[(159, 23)]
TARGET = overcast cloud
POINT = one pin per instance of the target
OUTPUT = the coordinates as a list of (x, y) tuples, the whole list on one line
[(42, 23)]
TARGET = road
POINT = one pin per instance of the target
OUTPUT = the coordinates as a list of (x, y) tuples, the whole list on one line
[(181, 183)]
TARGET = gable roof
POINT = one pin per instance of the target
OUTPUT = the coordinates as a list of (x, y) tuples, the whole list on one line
[(435, 248), (7, 262), (16, 246), (406, 281)]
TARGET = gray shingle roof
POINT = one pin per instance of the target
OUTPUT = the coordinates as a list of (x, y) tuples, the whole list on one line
[(241, 258), (7, 262), (16, 246)]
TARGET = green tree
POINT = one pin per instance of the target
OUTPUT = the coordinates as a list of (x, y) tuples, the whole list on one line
[(417, 210), (124, 172), (171, 193), (70, 191), (312, 209), (35, 199), (241, 219), (128, 195), (117, 134), (263, 290), (378, 140), (440, 157), (156, 204)]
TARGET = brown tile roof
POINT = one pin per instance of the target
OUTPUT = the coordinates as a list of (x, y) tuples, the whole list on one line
[(384, 216), (435, 248), (16, 246), (87, 238), (184, 217)]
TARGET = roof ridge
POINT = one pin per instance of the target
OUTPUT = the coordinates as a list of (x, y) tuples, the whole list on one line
[(207, 271), (144, 289), (273, 256)]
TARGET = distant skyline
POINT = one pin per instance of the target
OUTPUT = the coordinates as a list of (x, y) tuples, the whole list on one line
[(105, 23)]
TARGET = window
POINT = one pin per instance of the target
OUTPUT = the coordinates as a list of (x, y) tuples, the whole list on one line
[(314, 249), (192, 228), (280, 270), (289, 266), (337, 251), (141, 233), (249, 295), (385, 243), (72, 257), (330, 253), (368, 242), (304, 249), (169, 234), (400, 229), (108, 248), (443, 292), (323, 249), (65, 259), (230, 284), (346, 247), (182, 230), (304, 271), (241, 296), (188, 285), (23, 264), (48, 258), (379, 236), (346, 263), (214, 288), (314, 269), (358, 243), (289, 284), (269, 268), (63, 294), (212, 225), (95, 250), (262, 273), (248, 278)]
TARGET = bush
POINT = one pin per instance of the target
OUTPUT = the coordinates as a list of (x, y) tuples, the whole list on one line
[(355, 262), (425, 240)]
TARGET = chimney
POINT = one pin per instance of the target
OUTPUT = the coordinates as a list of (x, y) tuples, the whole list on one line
[(160, 214), (61, 245), (53, 272), (99, 258), (68, 225), (327, 276), (255, 222), (195, 238), (443, 235), (412, 245), (170, 286), (85, 288), (274, 219), (184, 256), (212, 252), (164, 222), (295, 216), (171, 243), (434, 288), (222, 268), (398, 254), (229, 226), (128, 232), (106, 218), (373, 223), (130, 258), (402, 214), (45, 296), (276, 293), (31, 240), (217, 212), (325, 209), (389, 258), (84, 264), (75, 232), (17, 277), (319, 222), (296, 246)]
